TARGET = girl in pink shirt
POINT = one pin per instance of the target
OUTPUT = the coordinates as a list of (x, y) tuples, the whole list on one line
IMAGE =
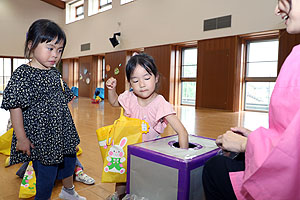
[(143, 102), (270, 167)]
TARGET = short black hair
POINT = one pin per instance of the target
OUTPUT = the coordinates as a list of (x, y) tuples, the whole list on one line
[(40, 31), (144, 60)]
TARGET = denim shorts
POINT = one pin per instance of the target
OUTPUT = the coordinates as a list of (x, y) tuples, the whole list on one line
[(47, 174)]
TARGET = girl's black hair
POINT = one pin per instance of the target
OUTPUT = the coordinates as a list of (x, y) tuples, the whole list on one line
[(145, 61), (40, 31)]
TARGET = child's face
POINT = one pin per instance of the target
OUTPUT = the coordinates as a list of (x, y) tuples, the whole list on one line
[(46, 55), (143, 83), (289, 10)]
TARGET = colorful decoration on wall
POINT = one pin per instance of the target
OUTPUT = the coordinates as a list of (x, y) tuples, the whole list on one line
[(117, 71), (120, 65), (80, 77), (88, 80), (108, 68)]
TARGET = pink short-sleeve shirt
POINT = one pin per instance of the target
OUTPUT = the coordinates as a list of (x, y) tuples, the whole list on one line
[(154, 113)]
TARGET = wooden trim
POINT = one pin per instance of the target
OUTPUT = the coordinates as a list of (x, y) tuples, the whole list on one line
[(57, 3), (188, 79), (260, 111), (260, 79), (260, 35), (189, 44), (12, 57), (243, 72), (177, 92)]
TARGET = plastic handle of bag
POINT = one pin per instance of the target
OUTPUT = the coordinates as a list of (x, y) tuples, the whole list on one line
[(122, 112), (108, 143)]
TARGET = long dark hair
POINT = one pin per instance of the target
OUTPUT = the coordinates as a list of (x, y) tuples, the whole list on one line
[(43, 30)]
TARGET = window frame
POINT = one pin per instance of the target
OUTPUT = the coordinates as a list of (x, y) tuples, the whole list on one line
[(105, 5), (127, 1), (11, 69), (186, 79), (76, 11), (71, 11), (273, 35)]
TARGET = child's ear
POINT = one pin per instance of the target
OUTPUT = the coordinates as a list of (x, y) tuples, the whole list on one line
[(156, 78), (29, 45)]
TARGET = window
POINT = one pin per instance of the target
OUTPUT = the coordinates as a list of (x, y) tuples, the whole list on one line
[(104, 3), (17, 62), (188, 76), (79, 11), (5, 72), (74, 11), (125, 1), (96, 6), (7, 66), (260, 73)]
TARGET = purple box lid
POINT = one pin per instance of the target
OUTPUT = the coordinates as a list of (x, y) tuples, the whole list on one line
[(162, 151)]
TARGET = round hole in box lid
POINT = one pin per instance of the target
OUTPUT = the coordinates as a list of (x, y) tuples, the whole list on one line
[(193, 146)]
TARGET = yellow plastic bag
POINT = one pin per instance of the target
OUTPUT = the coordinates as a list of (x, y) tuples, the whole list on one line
[(5, 142), (79, 152), (27, 188), (113, 141)]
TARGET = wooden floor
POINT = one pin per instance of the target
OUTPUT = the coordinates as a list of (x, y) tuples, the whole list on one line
[(88, 117)]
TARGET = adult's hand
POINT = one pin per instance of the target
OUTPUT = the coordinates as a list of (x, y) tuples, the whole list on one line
[(241, 130), (231, 141)]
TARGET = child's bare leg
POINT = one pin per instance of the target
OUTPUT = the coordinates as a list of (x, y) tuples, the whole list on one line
[(68, 182), (68, 190), (121, 189)]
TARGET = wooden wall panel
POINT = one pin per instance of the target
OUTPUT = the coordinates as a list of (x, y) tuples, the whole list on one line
[(87, 69), (286, 43), (68, 72), (114, 59), (162, 57), (218, 74)]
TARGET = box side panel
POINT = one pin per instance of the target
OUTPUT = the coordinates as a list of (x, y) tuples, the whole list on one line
[(152, 180), (196, 186)]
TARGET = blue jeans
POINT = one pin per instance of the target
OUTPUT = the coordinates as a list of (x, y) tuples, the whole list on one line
[(47, 174), (21, 171)]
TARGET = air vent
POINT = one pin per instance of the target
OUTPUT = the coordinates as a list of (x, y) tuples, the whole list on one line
[(85, 47), (217, 23)]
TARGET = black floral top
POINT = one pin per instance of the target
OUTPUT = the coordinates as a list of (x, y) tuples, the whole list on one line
[(43, 98)]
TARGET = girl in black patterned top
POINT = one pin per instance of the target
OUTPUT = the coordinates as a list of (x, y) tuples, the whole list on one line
[(37, 99)]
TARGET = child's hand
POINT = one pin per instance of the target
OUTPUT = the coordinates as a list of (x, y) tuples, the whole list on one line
[(111, 83), (178, 127), (24, 146)]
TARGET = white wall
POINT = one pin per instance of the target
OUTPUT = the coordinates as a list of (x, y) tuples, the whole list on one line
[(153, 22), (144, 23), (15, 18)]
